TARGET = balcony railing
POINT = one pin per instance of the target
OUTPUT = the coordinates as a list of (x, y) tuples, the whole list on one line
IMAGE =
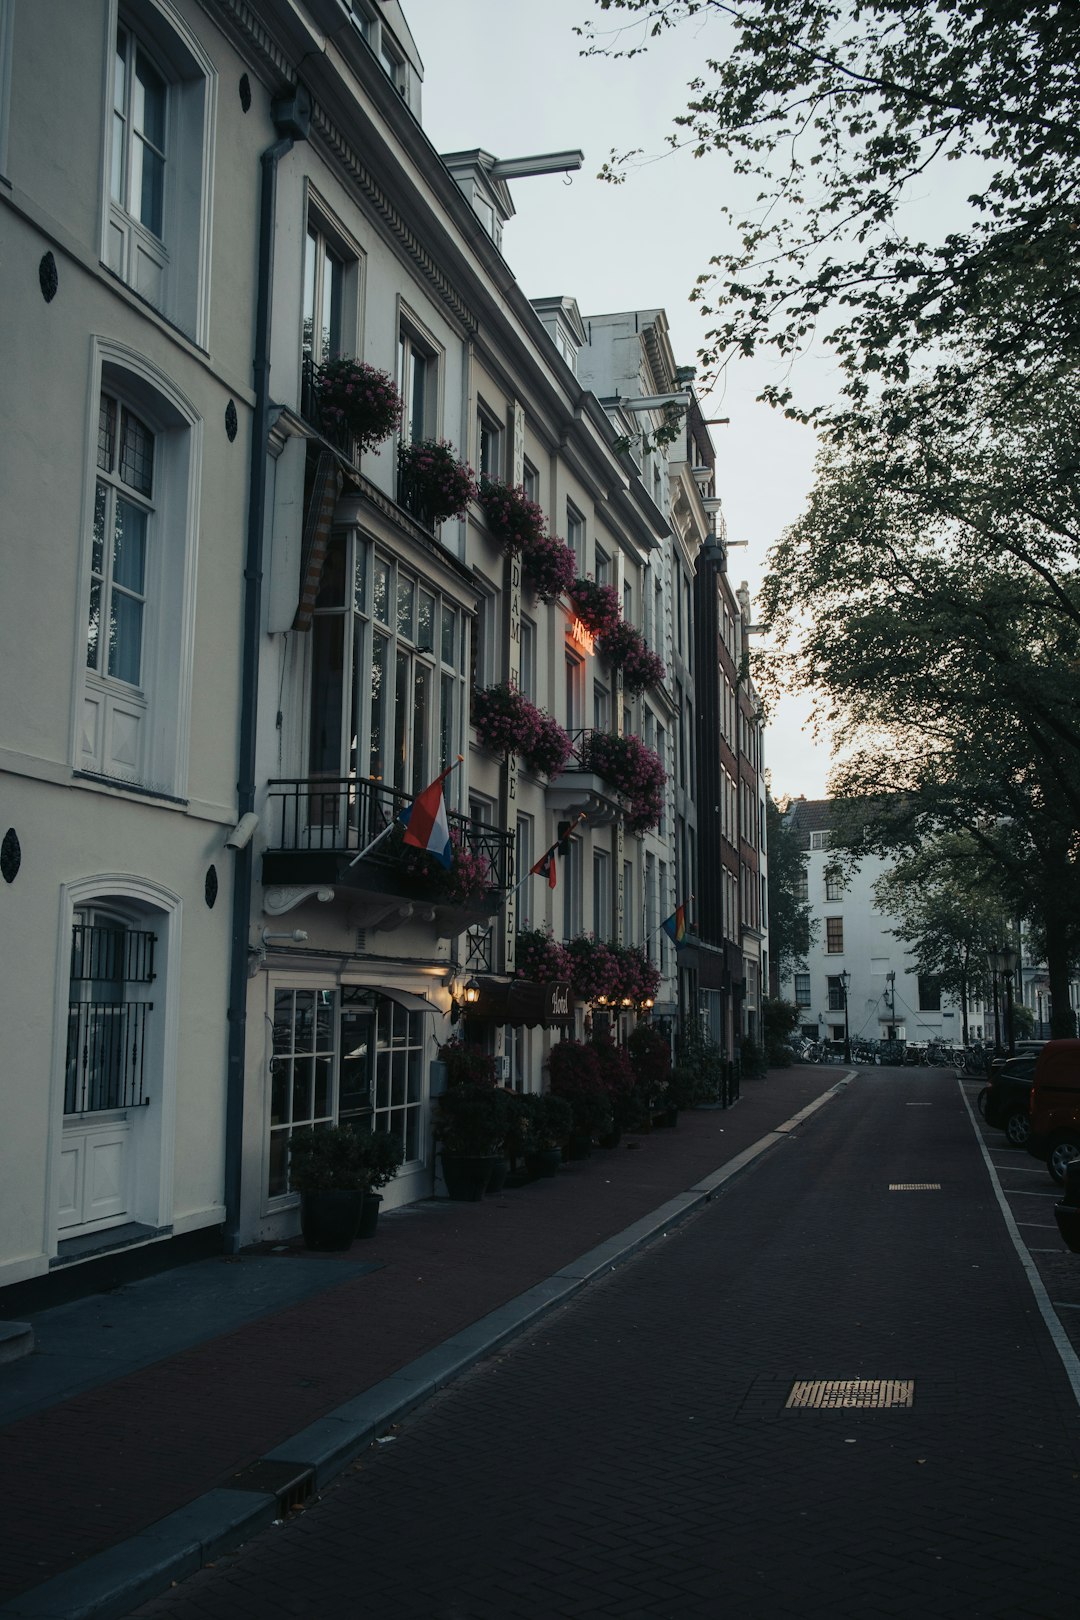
[(333, 433), (342, 816)]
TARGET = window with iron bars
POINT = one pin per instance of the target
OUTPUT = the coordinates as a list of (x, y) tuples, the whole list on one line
[(107, 1024)]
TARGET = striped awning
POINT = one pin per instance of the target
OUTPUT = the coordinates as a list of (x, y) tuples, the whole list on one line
[(318, 521)]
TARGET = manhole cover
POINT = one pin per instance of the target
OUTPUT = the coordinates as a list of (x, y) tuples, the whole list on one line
[(871, 1393), (914, 1186)]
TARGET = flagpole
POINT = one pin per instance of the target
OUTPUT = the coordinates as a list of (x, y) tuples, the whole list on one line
[(530, 873), (392, 823)]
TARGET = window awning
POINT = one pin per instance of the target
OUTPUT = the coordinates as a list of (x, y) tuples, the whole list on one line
[(524, 1002), (405, 998)]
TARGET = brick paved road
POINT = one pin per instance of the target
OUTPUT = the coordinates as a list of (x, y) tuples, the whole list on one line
[(633, 1456)]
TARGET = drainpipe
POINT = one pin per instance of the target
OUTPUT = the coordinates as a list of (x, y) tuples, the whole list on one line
[(291, 113)]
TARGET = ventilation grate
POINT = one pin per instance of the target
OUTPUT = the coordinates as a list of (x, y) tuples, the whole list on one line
[(873, 1394), (914, 1186)]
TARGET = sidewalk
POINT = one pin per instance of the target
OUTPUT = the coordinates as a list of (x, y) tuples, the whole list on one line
[(232, 1401)]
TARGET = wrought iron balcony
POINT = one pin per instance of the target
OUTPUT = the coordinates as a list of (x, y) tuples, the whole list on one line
[(319, 826), (580, 789), (333, 432)]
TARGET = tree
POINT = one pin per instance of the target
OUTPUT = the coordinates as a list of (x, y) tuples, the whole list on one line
[(791, 928), (931, 599), (945, 912), (837, 111)]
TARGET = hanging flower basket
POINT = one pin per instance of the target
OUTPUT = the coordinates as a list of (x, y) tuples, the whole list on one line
[(633, 770), (624, 648), (637, 979), (597, 606), (549, 566), (514, 520), (469, 877), (593, 971), (434, 484), (508, 723), (358, 399), (539, 956)]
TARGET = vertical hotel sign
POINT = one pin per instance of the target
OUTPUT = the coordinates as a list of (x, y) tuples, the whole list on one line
[(513, 675)]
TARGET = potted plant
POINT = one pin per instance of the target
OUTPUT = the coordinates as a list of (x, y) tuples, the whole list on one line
[(467, 1065), (624, 647), (618, 1081), (632, 769), (650, 1059), (637, 979), (515, 521), (359, 400), (539, 956), (548, 1123), (592, 968), (576, 1078), (381, 1156), (326, 1169), (549, 567), (433, 483), (470, 1127), (597, 606)]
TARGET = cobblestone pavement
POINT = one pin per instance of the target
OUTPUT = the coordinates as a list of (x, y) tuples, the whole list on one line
[(634, 1455)]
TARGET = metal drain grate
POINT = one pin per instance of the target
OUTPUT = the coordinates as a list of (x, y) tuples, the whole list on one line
[(869, 1393), (914, 1186)]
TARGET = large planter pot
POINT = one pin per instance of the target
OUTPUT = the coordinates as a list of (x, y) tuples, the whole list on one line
[(543, 1161), (579, 1147), (369, 1215), (612, 1138), (466, 1175), (500, 1169), (329, 1219), (666, 1118)]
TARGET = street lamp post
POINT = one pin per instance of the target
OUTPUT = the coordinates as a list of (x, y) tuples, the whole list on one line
[(994, 958), (845, 980), (1009, 961)]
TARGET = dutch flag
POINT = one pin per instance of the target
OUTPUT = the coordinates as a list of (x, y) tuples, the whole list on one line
[(425, 823)]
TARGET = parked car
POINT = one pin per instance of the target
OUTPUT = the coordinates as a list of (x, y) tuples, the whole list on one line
[(1006, 1103), (1055, 1107)]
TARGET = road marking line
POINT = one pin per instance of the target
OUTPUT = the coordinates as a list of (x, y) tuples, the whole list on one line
[(1069, 1359)]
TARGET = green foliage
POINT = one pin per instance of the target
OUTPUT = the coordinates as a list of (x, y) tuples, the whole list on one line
[(467, 1065), (779, 1021), (577, 1077), (791, 928), (650, 1059), (698, 1074), (548, 1121), (338, 1157), (753, 1059), (472, 1119), (835, 113)]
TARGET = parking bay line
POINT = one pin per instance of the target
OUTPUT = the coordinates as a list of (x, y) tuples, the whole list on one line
[(1053, 1324)]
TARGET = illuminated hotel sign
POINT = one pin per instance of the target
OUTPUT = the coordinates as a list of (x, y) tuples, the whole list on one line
[(580, 636)]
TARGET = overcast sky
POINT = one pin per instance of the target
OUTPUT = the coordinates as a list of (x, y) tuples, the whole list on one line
[(508, 77)]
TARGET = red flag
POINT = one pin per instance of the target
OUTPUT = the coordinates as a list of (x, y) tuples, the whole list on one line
[(547, 866)]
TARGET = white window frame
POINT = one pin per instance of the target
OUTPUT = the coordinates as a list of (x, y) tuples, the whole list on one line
[(140, 736), (325, 239), (575, 534), (490, 443), (170, 272), (416, 343)]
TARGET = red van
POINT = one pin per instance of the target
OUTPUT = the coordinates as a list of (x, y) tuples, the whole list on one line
[(1055, 1107)]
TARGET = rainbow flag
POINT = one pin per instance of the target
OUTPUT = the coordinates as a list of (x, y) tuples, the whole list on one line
[(675, 925)]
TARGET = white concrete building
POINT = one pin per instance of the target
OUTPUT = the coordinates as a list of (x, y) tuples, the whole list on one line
[(886, 998)]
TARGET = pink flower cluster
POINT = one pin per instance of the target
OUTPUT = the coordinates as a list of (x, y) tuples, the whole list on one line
[(435, 479), (638, 978), (514, 520), (360, 399), (633, 770), (597, 606), (549, 566), (539, 956), (508, 723), (469, 877), (594, 972), (624, 647)]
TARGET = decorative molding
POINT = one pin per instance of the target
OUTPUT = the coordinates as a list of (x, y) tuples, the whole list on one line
[(277, 901), (248, 25)]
